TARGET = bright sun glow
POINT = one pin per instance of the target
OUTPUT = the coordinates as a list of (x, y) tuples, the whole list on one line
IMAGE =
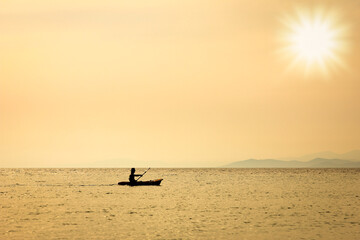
[(314, 41)]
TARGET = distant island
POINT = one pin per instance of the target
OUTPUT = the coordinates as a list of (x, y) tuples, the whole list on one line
[(315, 163), (316, 160)]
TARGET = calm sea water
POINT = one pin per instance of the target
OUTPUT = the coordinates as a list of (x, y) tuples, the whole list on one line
[(189, 204)]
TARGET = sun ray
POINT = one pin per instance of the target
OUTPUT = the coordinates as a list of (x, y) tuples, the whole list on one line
[(313, 41)]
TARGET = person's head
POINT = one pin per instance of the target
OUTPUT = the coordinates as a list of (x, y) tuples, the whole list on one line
[(133, 170)]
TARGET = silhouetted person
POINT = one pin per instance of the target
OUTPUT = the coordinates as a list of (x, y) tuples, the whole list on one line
[(133, 175)]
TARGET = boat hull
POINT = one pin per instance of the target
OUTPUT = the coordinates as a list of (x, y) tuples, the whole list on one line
[(142, 183)]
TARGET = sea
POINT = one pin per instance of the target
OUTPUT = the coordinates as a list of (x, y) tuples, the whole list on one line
[(190, 203)]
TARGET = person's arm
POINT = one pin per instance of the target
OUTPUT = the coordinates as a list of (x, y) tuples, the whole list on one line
[(137, 175)]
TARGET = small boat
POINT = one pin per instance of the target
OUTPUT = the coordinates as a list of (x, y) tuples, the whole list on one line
[(142, 183)]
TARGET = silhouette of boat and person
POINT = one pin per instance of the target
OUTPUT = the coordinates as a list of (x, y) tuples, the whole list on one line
[(135, 182)]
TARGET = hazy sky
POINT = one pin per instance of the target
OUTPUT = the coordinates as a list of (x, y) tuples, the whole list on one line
[(182, 83)]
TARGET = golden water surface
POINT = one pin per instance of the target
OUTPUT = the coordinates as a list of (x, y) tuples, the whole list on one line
[(189, 204)]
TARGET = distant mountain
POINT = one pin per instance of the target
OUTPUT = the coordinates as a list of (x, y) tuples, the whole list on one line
[(352, 155), (332, 163), (265, 163), (315, 163)]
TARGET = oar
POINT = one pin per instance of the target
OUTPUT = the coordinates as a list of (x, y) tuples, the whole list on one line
[(142, 174)]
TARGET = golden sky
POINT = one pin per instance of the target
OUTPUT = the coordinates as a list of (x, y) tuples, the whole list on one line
[(172, 83)]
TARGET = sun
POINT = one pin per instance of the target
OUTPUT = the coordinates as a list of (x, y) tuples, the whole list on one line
[(314, 41)]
